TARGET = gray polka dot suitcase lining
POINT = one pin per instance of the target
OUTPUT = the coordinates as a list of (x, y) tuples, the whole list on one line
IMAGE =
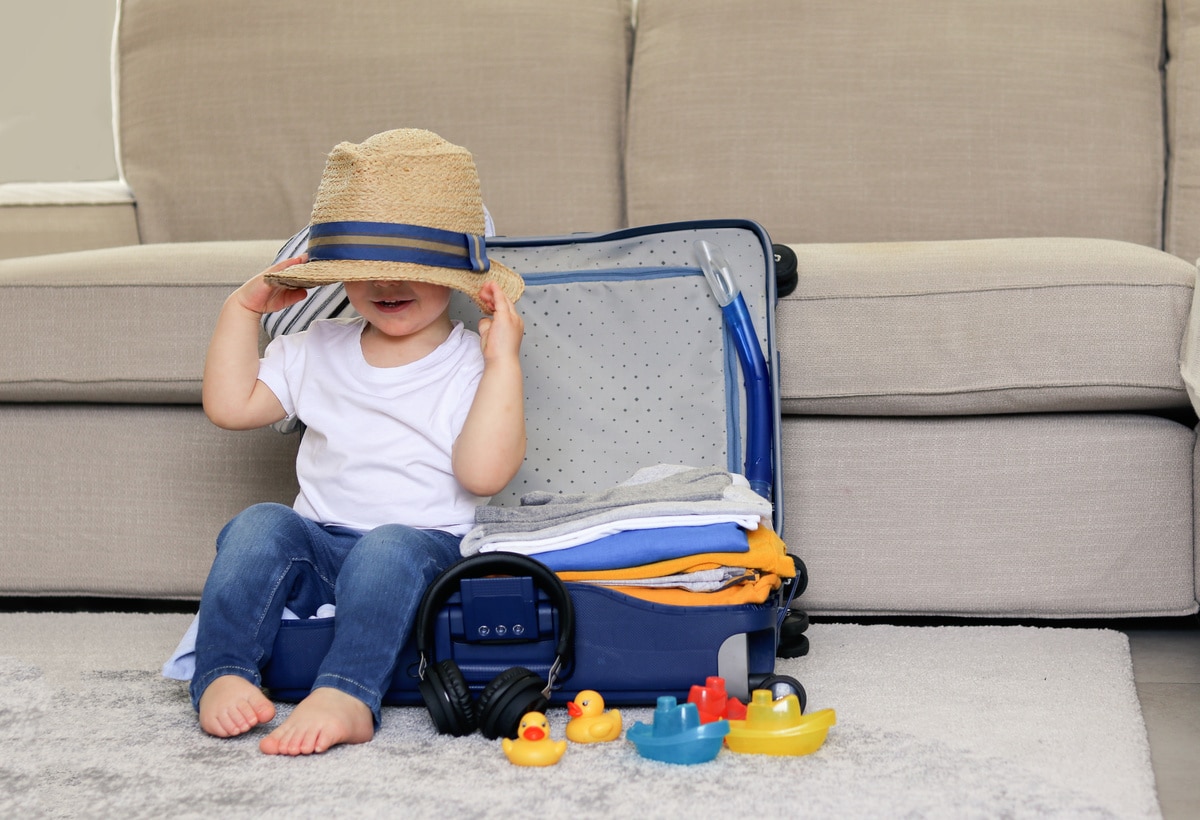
[(627, 358)]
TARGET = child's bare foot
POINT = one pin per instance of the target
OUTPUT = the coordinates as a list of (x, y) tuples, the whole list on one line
[(321, 721), (232, 706)]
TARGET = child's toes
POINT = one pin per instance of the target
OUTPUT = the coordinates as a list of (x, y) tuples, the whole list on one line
[(271, 744), (264, 711)]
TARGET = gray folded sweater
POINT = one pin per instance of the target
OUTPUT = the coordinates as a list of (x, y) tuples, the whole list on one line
[(665, 489)]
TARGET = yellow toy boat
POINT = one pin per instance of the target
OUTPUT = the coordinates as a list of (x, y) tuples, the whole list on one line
[(777, 727)]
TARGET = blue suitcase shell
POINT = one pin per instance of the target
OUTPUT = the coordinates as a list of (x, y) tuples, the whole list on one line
[(629, 361), (630, 650)]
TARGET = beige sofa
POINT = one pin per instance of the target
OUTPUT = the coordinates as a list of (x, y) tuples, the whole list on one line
[(996, 209)]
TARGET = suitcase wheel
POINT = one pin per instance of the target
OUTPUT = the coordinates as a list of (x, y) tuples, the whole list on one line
[(793, 643), (780, 686)]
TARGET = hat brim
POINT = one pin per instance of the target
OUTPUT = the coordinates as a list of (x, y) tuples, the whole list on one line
[(327, 272)]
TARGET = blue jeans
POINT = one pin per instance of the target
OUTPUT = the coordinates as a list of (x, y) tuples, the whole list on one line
[(269, 556)]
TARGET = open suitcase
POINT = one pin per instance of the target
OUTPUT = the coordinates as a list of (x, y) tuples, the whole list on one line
[(629, 361)]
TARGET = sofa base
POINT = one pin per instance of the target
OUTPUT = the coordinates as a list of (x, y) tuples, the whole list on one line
[(120, 500), (1033, 516), (893, 516)]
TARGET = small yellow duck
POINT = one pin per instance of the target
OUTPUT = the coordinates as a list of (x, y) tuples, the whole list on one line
[(589, 722), (533, 746)]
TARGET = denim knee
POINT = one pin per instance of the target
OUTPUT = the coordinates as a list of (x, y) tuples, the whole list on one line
[(397, 550), (264, 522)]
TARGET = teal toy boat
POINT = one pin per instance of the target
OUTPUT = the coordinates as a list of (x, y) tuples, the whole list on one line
[(677, 735)]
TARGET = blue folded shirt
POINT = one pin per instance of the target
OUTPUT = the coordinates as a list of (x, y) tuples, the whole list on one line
[(633, 548)]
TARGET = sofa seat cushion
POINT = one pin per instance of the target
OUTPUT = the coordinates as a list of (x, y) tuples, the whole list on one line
[(126, 324), (983, 326)]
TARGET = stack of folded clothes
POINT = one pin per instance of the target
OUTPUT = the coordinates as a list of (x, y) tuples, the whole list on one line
[(669, 534)]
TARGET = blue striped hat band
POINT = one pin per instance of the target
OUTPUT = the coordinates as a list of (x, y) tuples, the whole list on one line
[(393, 242)]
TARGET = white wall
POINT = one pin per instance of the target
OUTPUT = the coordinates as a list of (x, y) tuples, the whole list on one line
[(55, 99)]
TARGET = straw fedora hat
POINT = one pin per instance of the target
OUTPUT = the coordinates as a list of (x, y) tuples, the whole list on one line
[(403, 205)]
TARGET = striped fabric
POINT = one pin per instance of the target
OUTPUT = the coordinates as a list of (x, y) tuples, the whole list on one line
[(324, 302)]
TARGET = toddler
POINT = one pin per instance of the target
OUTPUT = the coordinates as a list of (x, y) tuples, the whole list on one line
[(412, 421)]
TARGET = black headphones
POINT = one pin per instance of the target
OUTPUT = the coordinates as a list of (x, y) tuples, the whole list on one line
[(512, 693)]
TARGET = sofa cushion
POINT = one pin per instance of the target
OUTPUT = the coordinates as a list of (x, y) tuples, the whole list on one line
[(852, 122), (228, 109), (983, 326), (47, 217), (1182, 228), (119, 324)]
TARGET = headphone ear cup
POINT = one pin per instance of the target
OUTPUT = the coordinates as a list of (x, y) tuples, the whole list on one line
[(506, 699), (448, 699)]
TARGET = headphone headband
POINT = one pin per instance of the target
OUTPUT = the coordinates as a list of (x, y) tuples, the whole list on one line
[(481, 566)]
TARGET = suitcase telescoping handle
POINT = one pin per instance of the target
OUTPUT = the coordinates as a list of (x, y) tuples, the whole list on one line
[(754, 365)]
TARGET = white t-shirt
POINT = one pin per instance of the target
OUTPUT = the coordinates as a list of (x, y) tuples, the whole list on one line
[(378, 444)]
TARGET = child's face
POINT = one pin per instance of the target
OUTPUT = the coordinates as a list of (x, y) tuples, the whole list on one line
[(400, 309)]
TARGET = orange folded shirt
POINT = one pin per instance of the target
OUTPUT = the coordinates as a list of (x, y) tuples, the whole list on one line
[(768, 554)]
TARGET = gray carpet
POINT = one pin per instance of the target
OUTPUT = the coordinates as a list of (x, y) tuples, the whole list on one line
[(953, 722)]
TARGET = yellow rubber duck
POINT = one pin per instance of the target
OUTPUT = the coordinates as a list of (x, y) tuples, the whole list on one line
[(533, 746), (589, 722)]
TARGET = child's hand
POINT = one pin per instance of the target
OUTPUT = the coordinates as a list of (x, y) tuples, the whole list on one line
[(259, 296), (501, 333), (232, 395)]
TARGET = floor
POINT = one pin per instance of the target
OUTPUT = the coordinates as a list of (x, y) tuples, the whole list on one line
[(1166, 669)]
